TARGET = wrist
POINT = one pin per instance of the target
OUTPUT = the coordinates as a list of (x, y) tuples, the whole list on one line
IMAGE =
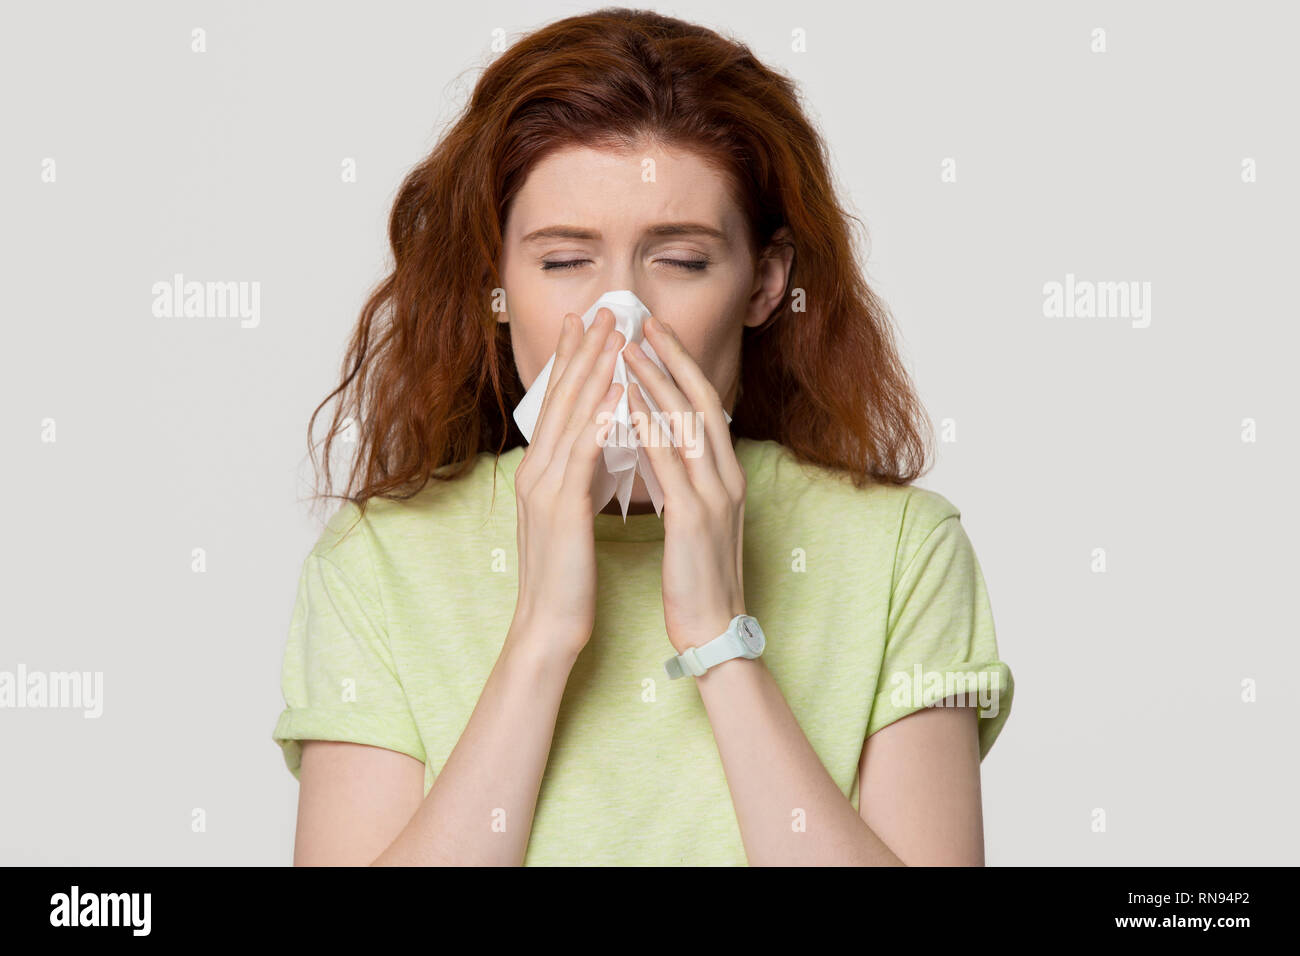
[(697, 634), (538, 653)]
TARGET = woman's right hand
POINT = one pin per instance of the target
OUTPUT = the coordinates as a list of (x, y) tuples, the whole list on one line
[(556, 607)]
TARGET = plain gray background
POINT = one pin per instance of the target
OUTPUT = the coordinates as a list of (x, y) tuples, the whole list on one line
[(1072, 434)]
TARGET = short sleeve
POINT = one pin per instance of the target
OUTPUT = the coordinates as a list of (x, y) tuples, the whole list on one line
[(339, 680), (941, 639)]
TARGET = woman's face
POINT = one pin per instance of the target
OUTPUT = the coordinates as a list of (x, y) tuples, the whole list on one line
[(589, 221)]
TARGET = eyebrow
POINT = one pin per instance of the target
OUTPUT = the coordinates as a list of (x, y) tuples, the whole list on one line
[(660, 229)]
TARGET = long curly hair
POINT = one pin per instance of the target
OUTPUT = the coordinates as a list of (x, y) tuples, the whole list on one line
[(429, 376)]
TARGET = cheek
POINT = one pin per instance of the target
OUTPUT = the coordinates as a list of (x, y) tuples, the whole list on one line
[(534, 323), (701, 312), (714, 345), (529, 355), (533, 337)]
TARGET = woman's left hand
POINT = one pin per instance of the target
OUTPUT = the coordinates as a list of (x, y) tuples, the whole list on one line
[(703, 486)]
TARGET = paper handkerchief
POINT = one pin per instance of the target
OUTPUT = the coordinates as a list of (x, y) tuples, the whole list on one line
[(623, 457)]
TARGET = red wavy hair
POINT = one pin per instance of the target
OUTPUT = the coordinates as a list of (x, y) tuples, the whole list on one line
[(430, 374)]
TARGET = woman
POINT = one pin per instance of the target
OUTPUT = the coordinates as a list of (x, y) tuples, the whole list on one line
[(475, 671)]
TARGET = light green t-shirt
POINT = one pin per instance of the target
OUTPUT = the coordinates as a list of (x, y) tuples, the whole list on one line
[(868, 597)]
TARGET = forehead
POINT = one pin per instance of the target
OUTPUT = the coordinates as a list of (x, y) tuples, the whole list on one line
[(622, 188)]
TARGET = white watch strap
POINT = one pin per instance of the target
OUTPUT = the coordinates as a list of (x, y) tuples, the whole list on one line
[(696, 660), (722, 648), (687, 662)]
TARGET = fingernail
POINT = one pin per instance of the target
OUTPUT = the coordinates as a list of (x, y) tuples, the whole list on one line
[(611, 342)]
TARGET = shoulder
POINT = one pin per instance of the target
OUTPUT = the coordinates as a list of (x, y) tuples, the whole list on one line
[(905, 514), (773, 467), (360, 534), (929, 523)]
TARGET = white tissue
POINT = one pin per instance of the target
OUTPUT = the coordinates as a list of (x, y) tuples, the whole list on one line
[(623, 457)]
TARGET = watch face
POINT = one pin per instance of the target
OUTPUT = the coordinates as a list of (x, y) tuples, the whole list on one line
[(751, 635)]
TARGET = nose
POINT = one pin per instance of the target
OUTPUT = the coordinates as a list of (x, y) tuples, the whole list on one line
[(617, 277)]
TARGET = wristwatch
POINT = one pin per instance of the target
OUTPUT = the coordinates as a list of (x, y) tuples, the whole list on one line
[(742, 638)]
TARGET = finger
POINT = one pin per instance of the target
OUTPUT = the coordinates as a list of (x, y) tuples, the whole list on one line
[(704, 397), (690, 431), (593, 389), (570, 336), (567, 384), (667, 464), (580, 471)]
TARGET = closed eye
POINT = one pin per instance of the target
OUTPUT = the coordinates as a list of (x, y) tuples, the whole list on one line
[(694, 265)]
